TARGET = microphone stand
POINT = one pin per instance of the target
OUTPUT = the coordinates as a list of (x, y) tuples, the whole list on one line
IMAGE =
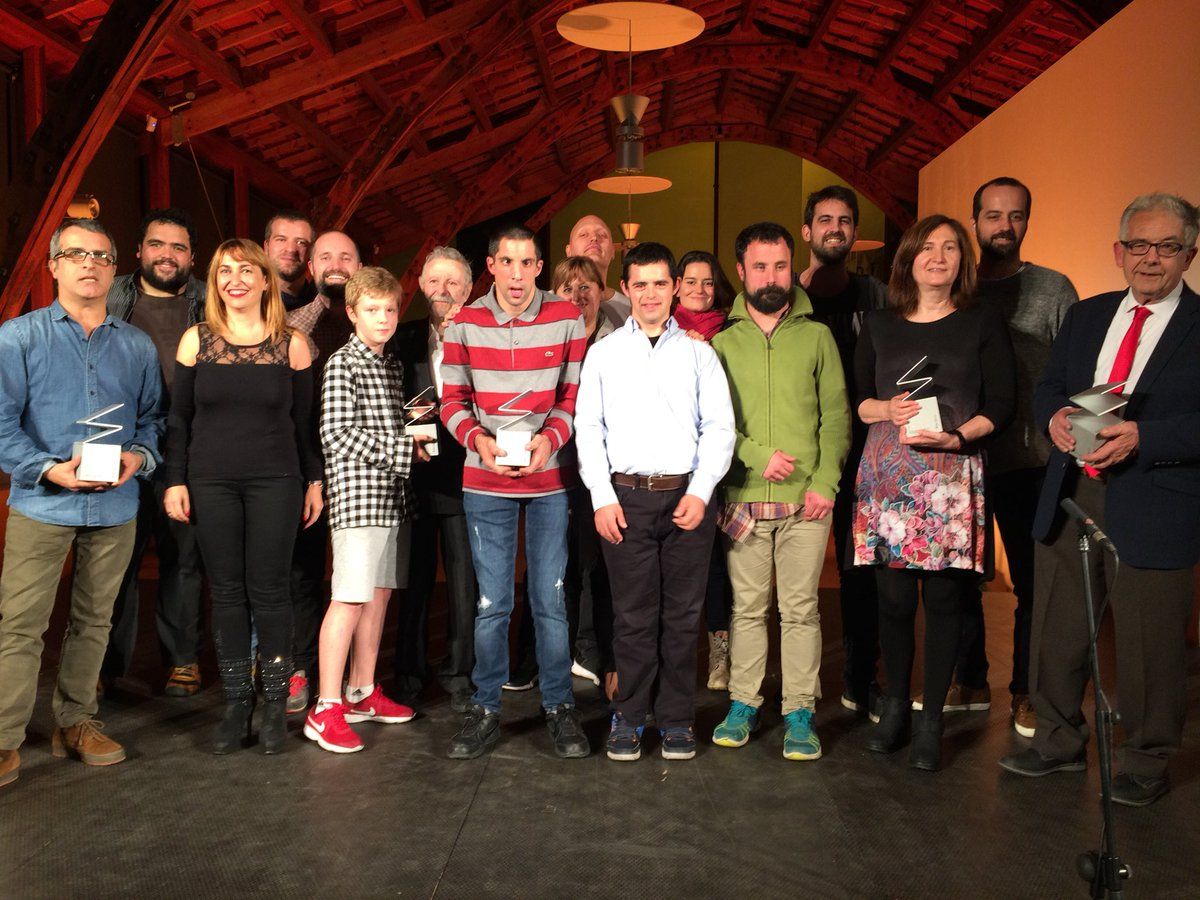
[(1102, 867)]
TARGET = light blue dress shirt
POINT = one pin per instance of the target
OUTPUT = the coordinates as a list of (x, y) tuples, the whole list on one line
[(652, 410), (51, 375)]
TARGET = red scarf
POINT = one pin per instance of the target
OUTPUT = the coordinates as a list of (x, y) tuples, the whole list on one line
[(707, 323)]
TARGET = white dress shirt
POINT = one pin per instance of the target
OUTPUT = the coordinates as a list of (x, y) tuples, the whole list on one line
[(652, 410), (1152, 329), (437, 351)]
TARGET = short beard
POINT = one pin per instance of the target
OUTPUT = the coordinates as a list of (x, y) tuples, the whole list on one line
[(831, 256), (770, 299), (335, 293), (166, 285), (988, 250), (288, 277)]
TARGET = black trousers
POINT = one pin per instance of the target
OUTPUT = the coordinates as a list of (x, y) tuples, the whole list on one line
[(718, 594), (307, 576), (180, 580), (247, 529), (659, 573), (859, 595), (943, 594), (447, 532), (1013, 497), (1151, 608)]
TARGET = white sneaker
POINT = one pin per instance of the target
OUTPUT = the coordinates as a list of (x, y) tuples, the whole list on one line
[(581, 671)]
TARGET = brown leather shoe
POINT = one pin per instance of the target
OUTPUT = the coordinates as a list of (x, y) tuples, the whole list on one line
[(961, 698), (87, 742), (10, 766), (184, 681), (1024, 717)]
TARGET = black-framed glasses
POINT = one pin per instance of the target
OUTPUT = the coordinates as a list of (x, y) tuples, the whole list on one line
[(78, 255), (1165, 249)]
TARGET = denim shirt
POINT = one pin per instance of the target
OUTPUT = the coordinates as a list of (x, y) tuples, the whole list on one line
[(52, 374)]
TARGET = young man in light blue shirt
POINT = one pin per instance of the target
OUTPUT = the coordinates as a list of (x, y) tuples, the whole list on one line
[(654, 432)]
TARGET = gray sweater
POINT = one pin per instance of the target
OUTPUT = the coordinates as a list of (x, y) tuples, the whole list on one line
[(1033, 302)]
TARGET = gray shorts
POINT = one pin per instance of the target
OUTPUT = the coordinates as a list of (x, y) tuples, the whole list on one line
[(369, 557)]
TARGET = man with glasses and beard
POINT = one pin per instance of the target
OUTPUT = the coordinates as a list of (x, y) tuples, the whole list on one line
[(333, 260), (446, 283), (793, 432), (163, 300), (1034, 300), (288, 242), (840, 298)]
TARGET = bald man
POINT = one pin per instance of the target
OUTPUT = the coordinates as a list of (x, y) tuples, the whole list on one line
[(592, 238), (334, 258)]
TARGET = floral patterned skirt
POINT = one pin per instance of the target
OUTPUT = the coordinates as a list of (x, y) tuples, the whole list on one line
[(918, 509)]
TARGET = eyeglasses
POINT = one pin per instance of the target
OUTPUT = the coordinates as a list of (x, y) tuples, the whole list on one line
[(78, 255), (1165, 249)]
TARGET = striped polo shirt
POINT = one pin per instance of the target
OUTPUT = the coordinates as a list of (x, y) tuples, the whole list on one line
[(490, 359)]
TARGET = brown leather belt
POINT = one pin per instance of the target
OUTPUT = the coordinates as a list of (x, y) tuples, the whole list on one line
[(652, 482)]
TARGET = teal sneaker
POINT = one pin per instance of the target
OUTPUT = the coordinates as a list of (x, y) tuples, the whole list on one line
[(800, 741), (735, 730)]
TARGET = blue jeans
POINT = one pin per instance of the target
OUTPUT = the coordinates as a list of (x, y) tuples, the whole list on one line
[(492, 522)]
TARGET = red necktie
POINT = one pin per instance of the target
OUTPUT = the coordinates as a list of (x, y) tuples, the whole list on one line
[(1124, 361)]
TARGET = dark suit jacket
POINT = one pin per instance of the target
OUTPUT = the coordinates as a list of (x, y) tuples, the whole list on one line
[(438, 483), (1152, 500)]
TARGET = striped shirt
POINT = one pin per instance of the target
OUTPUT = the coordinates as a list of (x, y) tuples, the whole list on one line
[(490, 359)]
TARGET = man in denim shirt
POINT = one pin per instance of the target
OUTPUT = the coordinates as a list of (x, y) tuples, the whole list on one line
[(58, 365)]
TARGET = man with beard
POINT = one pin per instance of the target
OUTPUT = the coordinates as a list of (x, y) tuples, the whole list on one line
[(1034, 301), (590, 237), (840, 298), (446, 283), (288, 242), (334, 259), (163, 300), (793, 433)]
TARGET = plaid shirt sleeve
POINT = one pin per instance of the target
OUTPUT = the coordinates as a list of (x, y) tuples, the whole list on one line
[(341, 436)]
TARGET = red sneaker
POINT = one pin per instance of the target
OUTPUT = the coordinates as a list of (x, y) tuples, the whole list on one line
[(329, 729), (376, 707)]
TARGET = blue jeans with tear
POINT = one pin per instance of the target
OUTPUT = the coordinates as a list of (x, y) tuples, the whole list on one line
[(492, 524)]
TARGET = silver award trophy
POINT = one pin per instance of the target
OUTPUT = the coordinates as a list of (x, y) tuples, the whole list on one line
[(1098, 406), (510, 437), (419, 420), (929, 417), (98, 462)]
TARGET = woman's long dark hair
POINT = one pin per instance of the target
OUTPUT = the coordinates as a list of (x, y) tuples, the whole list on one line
[(723, 292)]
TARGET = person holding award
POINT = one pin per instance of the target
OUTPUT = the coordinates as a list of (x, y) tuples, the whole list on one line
[(240, 451), (935, 375)]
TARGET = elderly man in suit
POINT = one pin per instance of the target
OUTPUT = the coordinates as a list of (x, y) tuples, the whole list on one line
[(1142, 485)]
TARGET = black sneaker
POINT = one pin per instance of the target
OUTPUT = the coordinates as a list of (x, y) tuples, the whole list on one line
[(679, 743), (870, 705), (569, 740), (481, 730), (624, 742)]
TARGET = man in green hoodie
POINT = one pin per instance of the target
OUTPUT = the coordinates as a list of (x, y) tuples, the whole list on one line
[(793, 434)]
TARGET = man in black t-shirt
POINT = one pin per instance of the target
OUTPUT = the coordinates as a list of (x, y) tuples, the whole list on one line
[(163, 300), (840, 298)]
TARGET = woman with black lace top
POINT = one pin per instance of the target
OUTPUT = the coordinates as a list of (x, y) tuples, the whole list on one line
[(243, 465)]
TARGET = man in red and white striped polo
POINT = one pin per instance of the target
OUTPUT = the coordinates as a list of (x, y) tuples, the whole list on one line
[(510, 375)]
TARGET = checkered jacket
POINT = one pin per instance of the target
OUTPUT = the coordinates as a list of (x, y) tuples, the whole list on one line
[(368, 458)]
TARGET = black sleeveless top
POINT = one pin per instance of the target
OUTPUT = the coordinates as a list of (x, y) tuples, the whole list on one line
[(241, 412)]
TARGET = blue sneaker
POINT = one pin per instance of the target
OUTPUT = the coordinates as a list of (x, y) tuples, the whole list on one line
[(679, 743), (735, 730), (624, 741), (799, 740)]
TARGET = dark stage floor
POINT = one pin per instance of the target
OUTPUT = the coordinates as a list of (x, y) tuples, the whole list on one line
[(401, 820)]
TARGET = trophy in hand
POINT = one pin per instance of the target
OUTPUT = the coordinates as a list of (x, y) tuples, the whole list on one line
[(1097, 406), (420, 415), (99, 462), (511, 437), (929, 417)]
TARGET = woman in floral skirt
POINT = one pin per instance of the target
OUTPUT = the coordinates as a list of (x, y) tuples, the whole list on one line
[(920, 513)]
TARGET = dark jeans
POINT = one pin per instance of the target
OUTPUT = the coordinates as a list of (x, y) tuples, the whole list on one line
[(658, 575), (858, 597), (449, 532), (942, 594), (180, 578), (307, 591), (247, 529), (1013, 497)]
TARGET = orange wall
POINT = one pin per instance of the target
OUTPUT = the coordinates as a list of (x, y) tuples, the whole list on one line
[(1116, 117)]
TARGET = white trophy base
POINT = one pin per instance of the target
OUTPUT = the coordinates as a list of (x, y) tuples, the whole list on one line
[(512, 441), (928, 417), (1085, 428), (98, 462), (429, 430)]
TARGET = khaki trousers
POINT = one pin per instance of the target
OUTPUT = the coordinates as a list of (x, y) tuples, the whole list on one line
[(789, 553), (34, 554)]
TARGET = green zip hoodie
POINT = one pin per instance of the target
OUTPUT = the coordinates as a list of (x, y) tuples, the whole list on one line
[(789, 394)]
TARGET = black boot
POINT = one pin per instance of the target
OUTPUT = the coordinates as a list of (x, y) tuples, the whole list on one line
[(272, 729), (894, 723), (926, 750), (234, 730)]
